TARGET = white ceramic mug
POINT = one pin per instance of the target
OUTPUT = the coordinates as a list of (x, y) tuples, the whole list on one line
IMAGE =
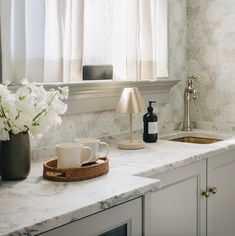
[(95, 145), (69, 155)]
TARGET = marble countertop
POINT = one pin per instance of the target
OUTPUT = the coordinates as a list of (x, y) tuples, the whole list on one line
[(35, 205)]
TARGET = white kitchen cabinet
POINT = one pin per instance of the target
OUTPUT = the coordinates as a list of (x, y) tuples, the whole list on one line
[(181, 208), (178, 209), (122, 220), (221, 205)]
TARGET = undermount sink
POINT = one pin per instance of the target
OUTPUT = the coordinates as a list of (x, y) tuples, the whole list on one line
[(198, 140)]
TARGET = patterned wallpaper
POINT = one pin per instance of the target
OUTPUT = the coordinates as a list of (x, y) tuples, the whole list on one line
[(173, 111), (211, 56), (105, 123)]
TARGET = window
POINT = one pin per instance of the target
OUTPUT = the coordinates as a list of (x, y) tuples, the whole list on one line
[(50, 40)]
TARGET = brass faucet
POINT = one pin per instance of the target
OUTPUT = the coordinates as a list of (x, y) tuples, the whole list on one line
[(189, 93)]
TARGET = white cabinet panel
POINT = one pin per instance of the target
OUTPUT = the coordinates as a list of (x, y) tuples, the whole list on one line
[(128, 215), (178, 209), (221, 206)]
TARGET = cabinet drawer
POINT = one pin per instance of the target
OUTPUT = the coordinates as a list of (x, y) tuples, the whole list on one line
[(122, 220)]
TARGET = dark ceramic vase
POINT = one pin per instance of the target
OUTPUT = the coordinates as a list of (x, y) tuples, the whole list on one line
[(15, 157)]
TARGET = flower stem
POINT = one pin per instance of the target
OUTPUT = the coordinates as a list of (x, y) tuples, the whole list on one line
[(44, 110), (38, 115), (18, 115), (3, 114), (52, 98)]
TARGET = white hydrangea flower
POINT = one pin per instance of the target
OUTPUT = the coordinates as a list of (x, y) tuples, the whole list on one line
[(7, 99), (64, 92)]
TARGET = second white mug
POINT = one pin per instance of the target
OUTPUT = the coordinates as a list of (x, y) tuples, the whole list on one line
[(69, 155), (99, 149)]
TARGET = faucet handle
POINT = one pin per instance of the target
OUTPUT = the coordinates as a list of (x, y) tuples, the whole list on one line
[(195, 94), (192, 78)]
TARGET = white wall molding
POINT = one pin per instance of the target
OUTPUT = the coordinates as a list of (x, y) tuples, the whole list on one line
[(104, 95)]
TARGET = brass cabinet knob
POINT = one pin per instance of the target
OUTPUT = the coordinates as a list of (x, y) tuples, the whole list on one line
[(206, 194), (213, 190)]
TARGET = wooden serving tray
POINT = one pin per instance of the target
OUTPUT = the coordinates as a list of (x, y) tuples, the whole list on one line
[(51, 172)]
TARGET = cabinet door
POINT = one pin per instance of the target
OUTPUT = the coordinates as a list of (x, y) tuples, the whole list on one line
[(178, 208), (122, 220), (221, 206)]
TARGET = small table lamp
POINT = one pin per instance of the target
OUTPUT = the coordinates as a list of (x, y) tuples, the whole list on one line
[(131, 102)]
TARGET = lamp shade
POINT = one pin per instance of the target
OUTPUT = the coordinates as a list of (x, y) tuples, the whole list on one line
[(131, 101)]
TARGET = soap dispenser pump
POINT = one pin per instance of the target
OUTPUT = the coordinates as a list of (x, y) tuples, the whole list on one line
[(150, 120)]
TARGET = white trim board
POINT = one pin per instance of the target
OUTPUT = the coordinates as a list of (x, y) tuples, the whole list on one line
[(104, 95)]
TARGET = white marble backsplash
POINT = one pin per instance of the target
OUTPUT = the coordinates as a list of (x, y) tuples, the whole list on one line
[(97, 125)]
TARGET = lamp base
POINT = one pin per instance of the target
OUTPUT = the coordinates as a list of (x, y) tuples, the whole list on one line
[(128, 145)]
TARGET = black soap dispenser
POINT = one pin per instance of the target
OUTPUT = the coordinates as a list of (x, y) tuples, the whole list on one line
[(150, 119)]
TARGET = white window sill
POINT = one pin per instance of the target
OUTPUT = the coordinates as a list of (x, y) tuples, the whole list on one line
[(91, 96)]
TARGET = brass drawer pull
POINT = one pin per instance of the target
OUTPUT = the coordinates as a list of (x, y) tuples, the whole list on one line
[(206, 194), (213, 190)]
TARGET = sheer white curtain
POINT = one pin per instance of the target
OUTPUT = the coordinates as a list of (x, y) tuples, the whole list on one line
[(49, 40), (42, 40)]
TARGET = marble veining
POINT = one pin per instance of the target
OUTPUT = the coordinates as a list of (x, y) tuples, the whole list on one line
[(36, 205)]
